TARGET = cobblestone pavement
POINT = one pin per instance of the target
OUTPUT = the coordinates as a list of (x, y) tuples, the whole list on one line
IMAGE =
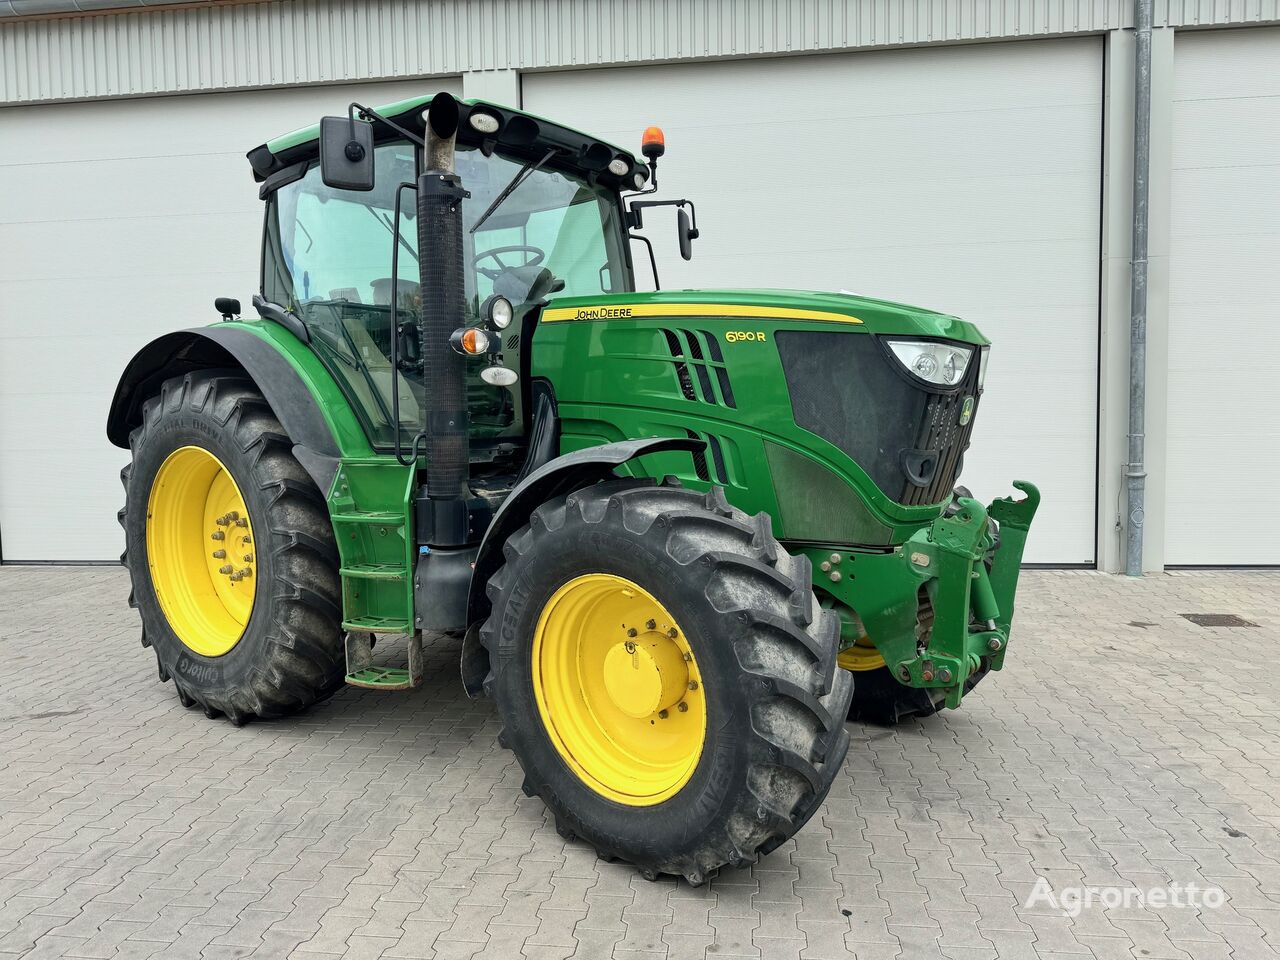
[(1123, 746)]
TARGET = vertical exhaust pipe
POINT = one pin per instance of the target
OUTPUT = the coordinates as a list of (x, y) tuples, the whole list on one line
[(440, 252)]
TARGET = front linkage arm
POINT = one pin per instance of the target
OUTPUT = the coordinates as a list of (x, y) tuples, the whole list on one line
[(953, 551), (947, 563)]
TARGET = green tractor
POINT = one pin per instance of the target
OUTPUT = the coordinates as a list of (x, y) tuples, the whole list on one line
[(683, 535)]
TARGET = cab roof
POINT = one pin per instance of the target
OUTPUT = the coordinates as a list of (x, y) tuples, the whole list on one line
[(520, 134)]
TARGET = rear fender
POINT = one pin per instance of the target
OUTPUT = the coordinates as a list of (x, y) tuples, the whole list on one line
[(564, 474), (233, 348)]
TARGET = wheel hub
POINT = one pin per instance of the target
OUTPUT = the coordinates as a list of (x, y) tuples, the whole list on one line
[(647, 675)]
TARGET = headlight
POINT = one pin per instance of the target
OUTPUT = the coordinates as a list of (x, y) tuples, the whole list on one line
[(943, 364), (498, 311), (483, 122)]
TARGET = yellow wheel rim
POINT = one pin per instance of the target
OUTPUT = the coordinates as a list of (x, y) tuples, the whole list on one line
[(618, 689), (200, 551), (861, 656)]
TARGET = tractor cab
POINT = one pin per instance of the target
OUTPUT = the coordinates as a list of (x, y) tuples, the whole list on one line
[(542, 216)]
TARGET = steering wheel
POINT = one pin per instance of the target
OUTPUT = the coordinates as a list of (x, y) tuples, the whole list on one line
[(535, 255)]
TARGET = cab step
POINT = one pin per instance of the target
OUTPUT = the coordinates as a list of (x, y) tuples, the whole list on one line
[(377, 625), (362, 673), (374, 571), (365, 516)]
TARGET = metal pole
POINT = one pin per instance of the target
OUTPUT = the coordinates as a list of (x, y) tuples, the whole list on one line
[(1135, 470)]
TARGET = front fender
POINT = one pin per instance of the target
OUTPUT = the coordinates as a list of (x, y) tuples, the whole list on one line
[(564, 474)]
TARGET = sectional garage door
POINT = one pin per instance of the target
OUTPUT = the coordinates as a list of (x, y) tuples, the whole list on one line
[(119, 221), (1224, 336), (966, 179)]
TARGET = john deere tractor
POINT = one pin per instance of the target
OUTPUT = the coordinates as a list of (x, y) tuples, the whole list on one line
[(683, 535)]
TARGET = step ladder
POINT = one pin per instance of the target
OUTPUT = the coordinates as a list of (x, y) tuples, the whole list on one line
[(376, 570)]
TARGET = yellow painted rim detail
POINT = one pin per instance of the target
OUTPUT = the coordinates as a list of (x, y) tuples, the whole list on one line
[(618, 689), (860, 657), (627, 311), (200, 551)]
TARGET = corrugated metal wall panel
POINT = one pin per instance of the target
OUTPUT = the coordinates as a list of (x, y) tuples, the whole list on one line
[(294, 42)]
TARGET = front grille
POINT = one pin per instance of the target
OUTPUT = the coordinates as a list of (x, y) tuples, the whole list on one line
[(844, 388), (942, 432)]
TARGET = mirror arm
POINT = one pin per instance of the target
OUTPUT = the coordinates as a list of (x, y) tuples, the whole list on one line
[(370, 113)]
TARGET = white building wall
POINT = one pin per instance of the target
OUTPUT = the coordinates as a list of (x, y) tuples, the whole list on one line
[(494, 45)]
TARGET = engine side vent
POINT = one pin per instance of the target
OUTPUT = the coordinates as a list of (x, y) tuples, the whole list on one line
[(682, 368), (712, 468), (694, 367), (722, 374)]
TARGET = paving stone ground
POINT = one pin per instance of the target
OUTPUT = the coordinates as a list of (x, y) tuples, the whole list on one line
[(1123, 746)]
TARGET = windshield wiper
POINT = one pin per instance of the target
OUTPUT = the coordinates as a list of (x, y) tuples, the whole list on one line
[(528, 170), (385, 220)]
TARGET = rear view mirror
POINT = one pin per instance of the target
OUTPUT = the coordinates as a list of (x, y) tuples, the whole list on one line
[(687, 234), (346, 153)]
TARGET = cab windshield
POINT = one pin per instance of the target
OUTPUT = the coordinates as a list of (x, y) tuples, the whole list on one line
[(328, 258)]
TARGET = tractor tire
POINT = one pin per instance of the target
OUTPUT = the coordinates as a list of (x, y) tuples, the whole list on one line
[(265, 643), (625, 597), (879, 699)]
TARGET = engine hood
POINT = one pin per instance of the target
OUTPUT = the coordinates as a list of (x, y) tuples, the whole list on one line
[(808, 306)]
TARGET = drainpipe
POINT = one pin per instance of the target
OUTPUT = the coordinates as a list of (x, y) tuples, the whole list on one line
[(1135, 470)]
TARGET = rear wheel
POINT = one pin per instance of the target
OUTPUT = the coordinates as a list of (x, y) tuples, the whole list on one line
[(230, 552), (665, 676)]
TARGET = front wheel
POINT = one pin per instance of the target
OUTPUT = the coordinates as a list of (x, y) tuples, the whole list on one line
[(665, 676)]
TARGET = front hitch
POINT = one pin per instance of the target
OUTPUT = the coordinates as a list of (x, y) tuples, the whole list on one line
[(972, 605)]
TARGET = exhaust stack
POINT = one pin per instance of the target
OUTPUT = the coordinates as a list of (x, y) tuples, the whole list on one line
[(440, 249)]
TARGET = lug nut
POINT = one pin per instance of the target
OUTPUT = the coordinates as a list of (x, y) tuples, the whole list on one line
[(246, 572), (835, 558), (994, 644), (693, 684), (662, 714), (825, 566), (225, 568), (242, 522), (688, 658), (245, 540), (651, 624), (835, 576), (217, 535), (682, 707), (248, 558), (673, 633), (631, 633), (630, 647), (219, 554)]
